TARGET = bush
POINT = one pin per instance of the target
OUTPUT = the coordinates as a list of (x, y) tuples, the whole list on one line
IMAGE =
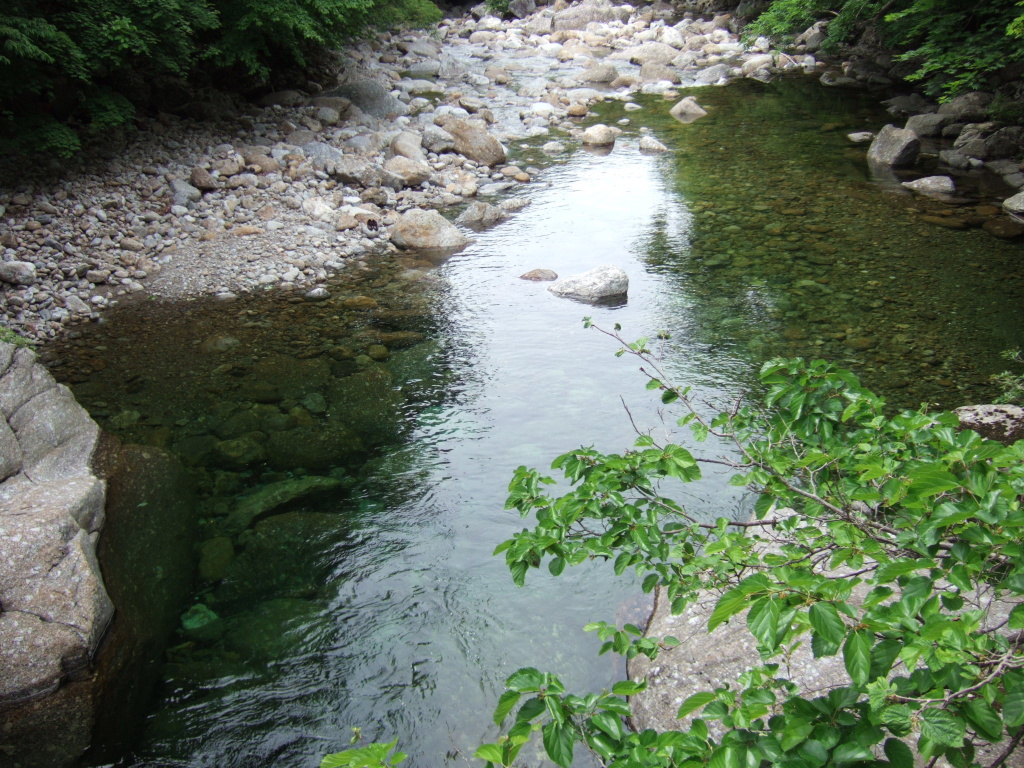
[(896, 544), (956, 46), (78, 71)]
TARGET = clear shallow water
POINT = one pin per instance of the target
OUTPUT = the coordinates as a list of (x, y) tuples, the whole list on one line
[(378, 604)]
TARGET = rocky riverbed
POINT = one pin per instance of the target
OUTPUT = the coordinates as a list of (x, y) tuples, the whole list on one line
[(283, 193)]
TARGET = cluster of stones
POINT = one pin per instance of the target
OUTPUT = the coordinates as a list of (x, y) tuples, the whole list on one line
[(54, 608), (950, 139), (283, 193)]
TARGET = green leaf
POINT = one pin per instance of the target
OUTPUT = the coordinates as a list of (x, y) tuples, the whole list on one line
[(1013, 701), (628, 687), (828, 627), (695, 702), (609, 723), (942, 727), (731, 603), (857, 656), (489, 752), (985, 720), (506, 704), (525, 680), (556, 565), (1017, 617), (891, 571), (558, 743), (931, 480), (851, 752), (763, 620), (898, 754)]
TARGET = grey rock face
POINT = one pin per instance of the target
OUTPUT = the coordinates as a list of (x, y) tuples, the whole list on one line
[(894, 147), (599, 283), (55, 608), (968, 108), (928, 124), (712, 75), (472, 140), (183, 193), (522, 8), (372, 98)]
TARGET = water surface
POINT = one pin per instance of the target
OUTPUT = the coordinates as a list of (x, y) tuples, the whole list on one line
[(378, 604)]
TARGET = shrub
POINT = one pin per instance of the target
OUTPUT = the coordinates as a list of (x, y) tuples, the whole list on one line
[(956, 46), (73, 72), (921, 521)]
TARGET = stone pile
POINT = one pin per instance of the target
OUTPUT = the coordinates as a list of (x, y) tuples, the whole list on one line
[(284, 192)]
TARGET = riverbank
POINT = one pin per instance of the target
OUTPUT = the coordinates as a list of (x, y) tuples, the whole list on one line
[(285, 193)]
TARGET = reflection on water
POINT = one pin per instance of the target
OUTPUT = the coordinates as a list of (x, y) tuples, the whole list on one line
[(354, 453)]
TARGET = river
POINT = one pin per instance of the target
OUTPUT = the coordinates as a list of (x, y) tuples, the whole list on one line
[(379, 604)]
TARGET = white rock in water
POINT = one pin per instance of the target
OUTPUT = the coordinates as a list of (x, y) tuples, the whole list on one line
[(932, 185), (860, 137), (687, 110), (599, 283), (1014, 205), (651, 144), (600, 135)]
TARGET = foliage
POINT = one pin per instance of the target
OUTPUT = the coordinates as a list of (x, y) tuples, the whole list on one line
[(895, 543), (955, 46), (497, 7), (1012, 384), (13, 337), (374, 755), (80, 67)]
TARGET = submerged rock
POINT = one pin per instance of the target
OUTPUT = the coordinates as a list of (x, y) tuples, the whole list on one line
[(539, 275), (932, 186), (688, 110), (599, 283), (275, 496)]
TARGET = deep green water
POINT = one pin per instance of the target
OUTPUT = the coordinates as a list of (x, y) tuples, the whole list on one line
[(377, 603)]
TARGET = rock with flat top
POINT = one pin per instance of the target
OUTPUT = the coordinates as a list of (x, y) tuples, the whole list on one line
[(426, 229), (599, 283)]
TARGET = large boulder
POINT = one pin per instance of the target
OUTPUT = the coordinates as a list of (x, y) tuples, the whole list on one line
[(599, 283), (968, 107), (522, 8), (651, 53), (928, 124), (894, 147), (372, 98), (420, 228), (1014, 205), (472, 140), (1002, 423), (54, 607), (578, 16), (17, 272)]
